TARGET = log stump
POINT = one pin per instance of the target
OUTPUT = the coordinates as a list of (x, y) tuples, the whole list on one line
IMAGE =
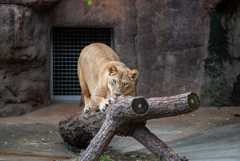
[(126, 117)]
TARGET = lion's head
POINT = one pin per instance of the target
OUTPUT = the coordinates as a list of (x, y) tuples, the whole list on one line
[(121, 81)]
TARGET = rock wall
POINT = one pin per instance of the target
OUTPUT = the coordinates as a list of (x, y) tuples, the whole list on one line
[(119, 15), (171, 46), (165, 40), (232, 70), (221, 85), (177, 46), (24, 57)]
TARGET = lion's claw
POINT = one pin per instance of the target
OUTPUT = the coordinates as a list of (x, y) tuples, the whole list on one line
[(104, 106), (86, 109)]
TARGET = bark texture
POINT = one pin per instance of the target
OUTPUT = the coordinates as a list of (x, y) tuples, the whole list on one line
[(100, 141), (120, 119), (155, 145)]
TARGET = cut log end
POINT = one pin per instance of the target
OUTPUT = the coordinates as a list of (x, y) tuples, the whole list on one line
[(193, 101), (140, 105)]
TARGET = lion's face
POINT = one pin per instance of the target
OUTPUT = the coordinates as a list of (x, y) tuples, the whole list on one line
[(121, 81)]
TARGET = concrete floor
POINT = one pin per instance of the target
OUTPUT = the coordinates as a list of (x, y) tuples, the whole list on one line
[(206, 134)]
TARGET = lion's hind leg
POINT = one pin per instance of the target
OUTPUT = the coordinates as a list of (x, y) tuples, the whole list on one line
[(87, 96), (85, 92), (80, 101)]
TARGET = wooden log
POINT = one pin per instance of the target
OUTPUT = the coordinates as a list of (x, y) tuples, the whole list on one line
[(100, 141), (78, 129), (155, 145)]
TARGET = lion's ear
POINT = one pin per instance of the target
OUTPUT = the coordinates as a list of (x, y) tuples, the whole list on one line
[(133, 74), (112, 70)]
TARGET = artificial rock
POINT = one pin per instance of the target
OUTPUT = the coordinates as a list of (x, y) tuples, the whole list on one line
[(177, 46)]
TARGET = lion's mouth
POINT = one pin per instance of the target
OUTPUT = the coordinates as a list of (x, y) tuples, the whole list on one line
[(117, 97)]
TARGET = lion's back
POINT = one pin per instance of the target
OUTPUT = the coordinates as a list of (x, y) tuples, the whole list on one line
[(93, 61), (97, 52)]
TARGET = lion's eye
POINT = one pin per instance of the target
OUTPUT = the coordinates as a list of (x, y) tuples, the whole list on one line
[(125, 84), (114, 81)]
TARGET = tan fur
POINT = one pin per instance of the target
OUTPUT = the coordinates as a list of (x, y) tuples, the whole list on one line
[(103, 78)]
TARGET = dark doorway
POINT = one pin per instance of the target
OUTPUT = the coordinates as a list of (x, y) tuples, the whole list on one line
[(67, 43)]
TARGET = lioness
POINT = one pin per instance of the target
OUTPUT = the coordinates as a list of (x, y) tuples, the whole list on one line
[(103, 78)]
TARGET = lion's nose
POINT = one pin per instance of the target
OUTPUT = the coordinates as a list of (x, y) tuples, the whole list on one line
[(117, 94)]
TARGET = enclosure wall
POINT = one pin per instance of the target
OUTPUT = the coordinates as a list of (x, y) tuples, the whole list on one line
[(177, 46)]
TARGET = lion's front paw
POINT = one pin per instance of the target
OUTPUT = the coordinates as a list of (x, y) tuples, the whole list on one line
[(112, 100), (86, 108), (104, 106)]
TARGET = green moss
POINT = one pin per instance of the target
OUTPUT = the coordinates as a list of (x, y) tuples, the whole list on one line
[(140, 105), (217, 54), (193, 101), (218, 41)]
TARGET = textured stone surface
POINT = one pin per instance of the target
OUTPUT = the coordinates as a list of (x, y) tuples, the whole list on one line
[(168, 42), (171, 46), (221, 85), (24, 57), (232, 68), (119, 15), (36, 5), (165, 40), (177, 46)]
